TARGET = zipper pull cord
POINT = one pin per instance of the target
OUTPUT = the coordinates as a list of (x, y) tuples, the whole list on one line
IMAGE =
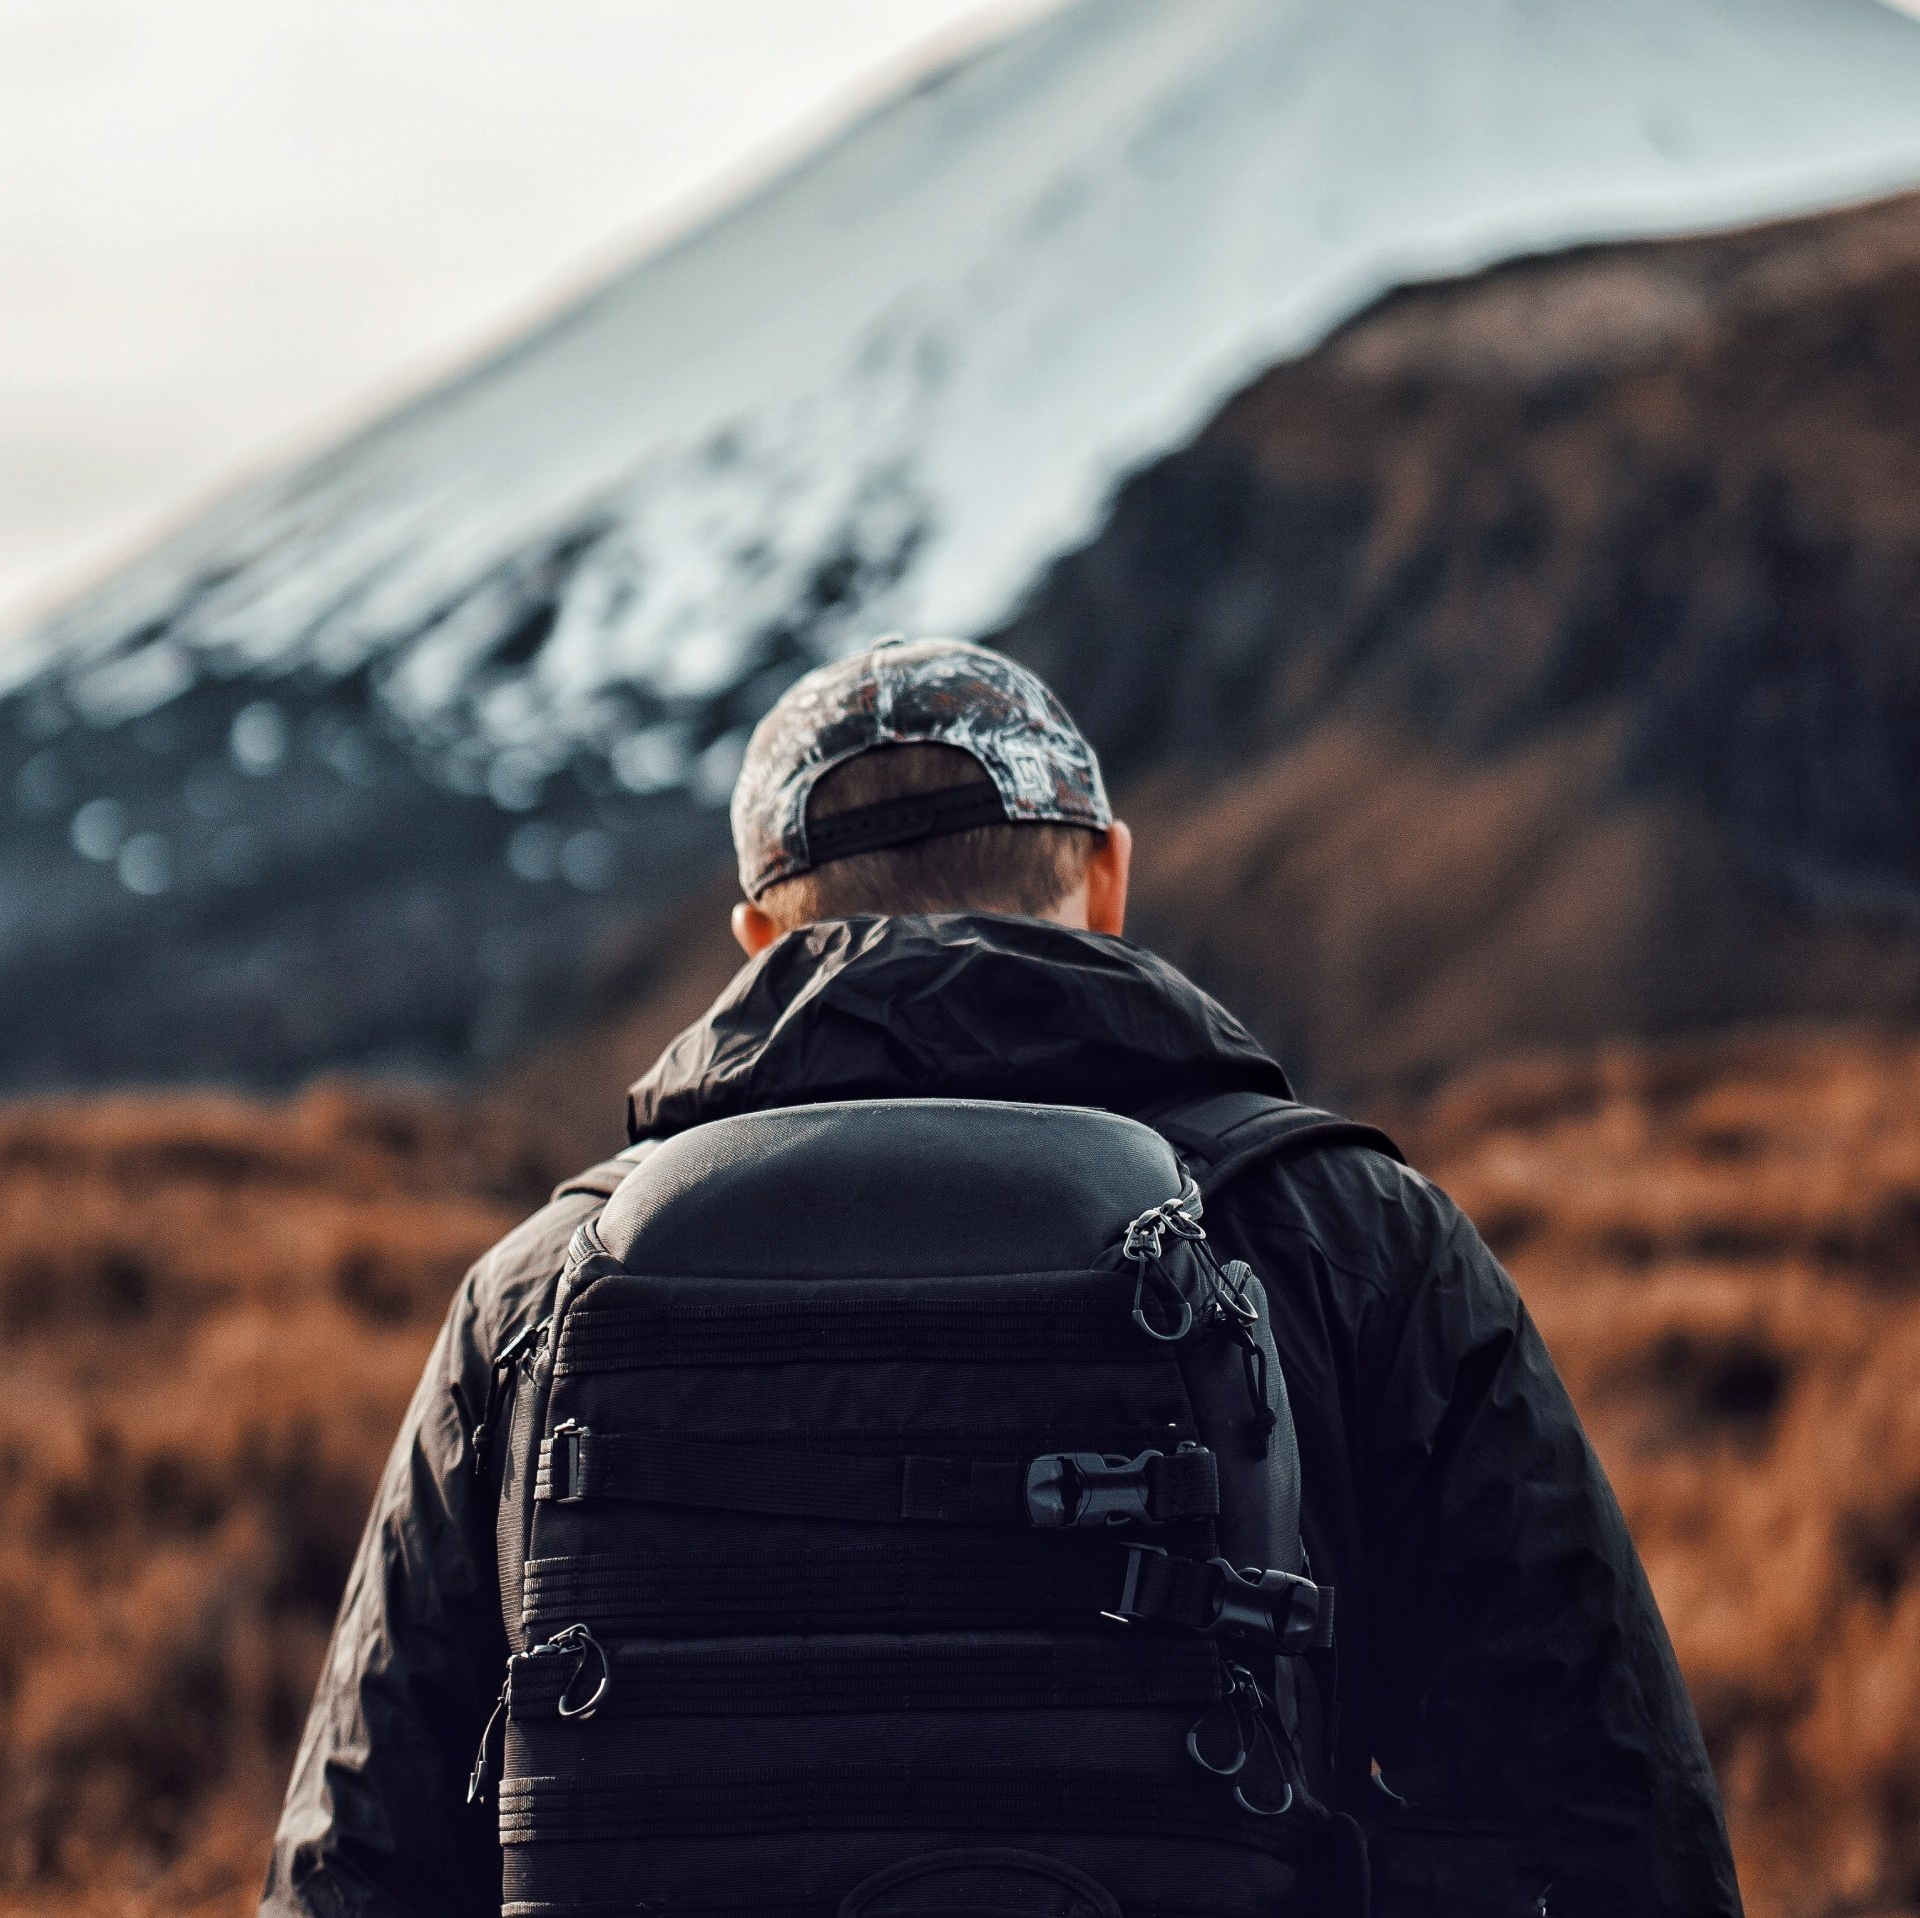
[(1227, 1710), (482, 1773), (1145, 1246), (505, 1360), (1263, 1734), (1253, 1367), (1231, 1291)]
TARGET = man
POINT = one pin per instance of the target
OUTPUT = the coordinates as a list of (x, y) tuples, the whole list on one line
[(935, 893)]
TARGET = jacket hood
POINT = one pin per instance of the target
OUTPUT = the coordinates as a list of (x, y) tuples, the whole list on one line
[(957, 1005)]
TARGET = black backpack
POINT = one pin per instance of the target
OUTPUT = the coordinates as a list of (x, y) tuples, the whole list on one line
[(900, 1513)]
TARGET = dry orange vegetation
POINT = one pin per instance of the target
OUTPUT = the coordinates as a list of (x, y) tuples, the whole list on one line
[(213, 1310), (1722, 1245)]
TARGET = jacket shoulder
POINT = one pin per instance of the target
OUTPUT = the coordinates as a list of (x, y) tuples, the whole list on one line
[(513, 1282)]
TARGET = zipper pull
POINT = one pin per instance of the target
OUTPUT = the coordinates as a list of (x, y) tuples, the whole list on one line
[(1239, 1708), (1232, 1292), (1253, 1370), (504, 1363), (1246, 1712), (1144, 1244), (482, 1773), (1267, 1742)]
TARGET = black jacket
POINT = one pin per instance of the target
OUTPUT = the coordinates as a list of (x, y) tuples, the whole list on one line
[(1502, 1657)]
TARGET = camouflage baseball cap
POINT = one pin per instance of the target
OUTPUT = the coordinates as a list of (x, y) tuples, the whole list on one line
[(941, 692)]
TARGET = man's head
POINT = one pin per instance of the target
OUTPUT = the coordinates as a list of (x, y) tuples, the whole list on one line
[(926, 777)]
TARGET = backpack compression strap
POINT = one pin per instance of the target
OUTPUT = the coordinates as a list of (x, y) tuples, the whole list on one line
[(1225, 1134)]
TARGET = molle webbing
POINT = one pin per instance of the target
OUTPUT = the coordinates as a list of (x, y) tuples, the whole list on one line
[(628, 1805), (1045, 1580), (1116, 1668), (787, 1480), (926, 1578), (928, 1326)]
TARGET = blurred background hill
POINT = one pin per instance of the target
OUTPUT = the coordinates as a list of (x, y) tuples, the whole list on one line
[(1463, 468)]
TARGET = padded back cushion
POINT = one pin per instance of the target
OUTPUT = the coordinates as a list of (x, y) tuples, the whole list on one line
[(903, 1187)]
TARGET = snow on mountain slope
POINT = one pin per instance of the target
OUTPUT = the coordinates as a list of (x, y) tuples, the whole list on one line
[(890, 386), (375, 763)]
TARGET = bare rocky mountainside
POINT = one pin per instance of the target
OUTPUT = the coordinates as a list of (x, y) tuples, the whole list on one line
[(1538, 660)]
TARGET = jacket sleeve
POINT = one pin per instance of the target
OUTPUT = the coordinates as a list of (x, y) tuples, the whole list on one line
[(1532, 1695), (376, 1823)]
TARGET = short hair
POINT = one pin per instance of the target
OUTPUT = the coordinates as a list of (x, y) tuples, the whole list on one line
[(1021, 867)]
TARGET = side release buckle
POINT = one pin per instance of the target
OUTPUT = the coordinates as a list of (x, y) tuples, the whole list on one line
[(1104, 1488), (1215, 1597), (1295, 1610), (1088, 1488)]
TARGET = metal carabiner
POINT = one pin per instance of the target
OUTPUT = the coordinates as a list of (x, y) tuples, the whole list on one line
[(577, 1639), (1179, 1215)]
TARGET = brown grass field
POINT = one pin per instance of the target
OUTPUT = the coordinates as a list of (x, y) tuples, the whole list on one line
[(213, 1309)]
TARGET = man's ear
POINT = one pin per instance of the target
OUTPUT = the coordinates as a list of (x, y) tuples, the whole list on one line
[(1107, 874), (753, 929)]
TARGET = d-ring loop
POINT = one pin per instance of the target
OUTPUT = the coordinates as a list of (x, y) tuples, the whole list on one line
[(588, 1647)]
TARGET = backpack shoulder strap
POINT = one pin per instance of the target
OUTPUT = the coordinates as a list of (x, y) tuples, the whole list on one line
[(1221, 1136), (1227, 1133)]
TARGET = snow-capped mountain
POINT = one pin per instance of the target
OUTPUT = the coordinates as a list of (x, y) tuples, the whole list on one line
[(370, 751)]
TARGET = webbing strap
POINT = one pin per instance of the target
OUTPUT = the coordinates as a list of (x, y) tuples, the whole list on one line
[(802, 1675), (1229, 1133), (1065, 1578), (919, 1578), (625, 1805), (641, 1331), (1057, 1489), (899, 822)]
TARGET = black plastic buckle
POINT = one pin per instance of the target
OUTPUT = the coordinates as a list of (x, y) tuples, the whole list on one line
[(1254, 1600), (1088, 1488)]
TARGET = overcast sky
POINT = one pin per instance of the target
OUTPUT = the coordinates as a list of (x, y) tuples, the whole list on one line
[(230, 228)]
